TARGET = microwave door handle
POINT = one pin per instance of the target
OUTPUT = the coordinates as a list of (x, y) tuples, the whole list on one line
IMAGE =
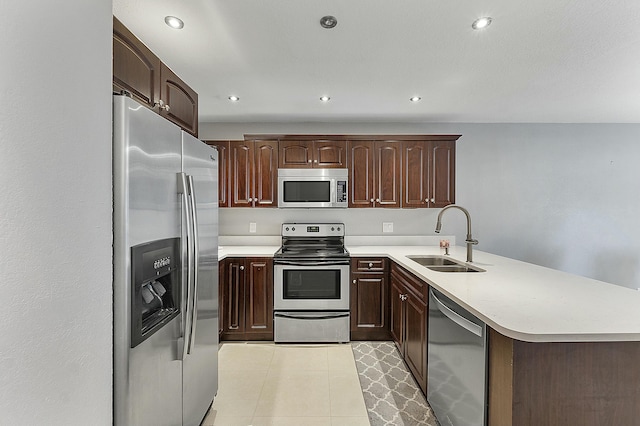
[(333, 198), (183, 189), (195, 263)]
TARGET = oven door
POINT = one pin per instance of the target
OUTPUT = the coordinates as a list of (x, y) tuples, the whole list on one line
[(311, 285)]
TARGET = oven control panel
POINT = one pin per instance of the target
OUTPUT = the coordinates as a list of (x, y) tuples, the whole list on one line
[(313, 229)]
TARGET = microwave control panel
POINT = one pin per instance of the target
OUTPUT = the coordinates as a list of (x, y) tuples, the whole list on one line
[(341, 191)]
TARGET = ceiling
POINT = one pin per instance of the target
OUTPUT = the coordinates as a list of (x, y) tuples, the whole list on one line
[(545, 61)]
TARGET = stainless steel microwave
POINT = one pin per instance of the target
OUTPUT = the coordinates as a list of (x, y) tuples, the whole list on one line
[(313, 188)]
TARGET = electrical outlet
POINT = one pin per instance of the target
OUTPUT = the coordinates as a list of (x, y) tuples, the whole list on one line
[(387, 226), (252, 227)]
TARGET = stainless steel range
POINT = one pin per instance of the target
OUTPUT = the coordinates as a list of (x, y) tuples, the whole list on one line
[(311, 284)]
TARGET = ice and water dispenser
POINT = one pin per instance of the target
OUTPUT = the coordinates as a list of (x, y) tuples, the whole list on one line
[(155, 287)]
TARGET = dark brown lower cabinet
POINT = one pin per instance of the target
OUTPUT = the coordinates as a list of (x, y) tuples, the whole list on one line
[(369, 299), (246, 308), (409, 321), (563, 383)]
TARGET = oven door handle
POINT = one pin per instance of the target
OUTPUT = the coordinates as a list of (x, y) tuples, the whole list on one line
[(311, 263), (312, 317)]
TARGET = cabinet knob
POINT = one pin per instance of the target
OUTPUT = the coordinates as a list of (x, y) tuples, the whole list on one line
[(255, 199), (433, 200), (354, 281), (309, 161), (315, 161), (370, 265), (372, 200), (377, 200), (241, 268), (161, 105)]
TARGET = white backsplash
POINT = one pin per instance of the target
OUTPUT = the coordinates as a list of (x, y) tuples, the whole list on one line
[(399, 240), (363, 227)]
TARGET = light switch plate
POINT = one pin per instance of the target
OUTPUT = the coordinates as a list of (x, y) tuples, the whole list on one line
[(387, 226), (252, 227)]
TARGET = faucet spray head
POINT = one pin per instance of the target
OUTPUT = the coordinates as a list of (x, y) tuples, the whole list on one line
[(438, 227)]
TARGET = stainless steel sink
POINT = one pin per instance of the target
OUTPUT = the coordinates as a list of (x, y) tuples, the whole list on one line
[(444, 264), (455, 268), (432, 260)]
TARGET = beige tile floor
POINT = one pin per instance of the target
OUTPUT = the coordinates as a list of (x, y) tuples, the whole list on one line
[(263, 384)]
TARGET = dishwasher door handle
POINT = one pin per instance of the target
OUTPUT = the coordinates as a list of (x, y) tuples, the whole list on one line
[(457, 318)]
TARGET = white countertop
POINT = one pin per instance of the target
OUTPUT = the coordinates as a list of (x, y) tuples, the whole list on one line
[(528, 302), (518, 299), (246, 251)]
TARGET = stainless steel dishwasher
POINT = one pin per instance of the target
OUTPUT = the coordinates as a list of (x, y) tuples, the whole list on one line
[(457, 364)]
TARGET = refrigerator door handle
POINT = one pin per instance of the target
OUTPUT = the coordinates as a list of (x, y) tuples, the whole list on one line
[(183, 188), (196, 259)]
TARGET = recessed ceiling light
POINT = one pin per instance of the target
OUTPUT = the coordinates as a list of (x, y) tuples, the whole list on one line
[(415, 98), (324, 98), (174, 22), (481, 23), (234, 98), (328, 21)]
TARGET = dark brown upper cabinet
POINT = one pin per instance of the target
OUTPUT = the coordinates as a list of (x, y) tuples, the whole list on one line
[(397, 171), (223, 171), (374, 173), (254, 173), (139, 72), (180, 101), (305, 154), (135, 68), (428, 173)]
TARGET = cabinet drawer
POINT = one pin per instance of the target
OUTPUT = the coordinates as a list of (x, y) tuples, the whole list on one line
[(411, 282), (368, 264)]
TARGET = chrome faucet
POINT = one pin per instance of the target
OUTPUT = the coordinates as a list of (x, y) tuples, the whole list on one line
[(470, 241)]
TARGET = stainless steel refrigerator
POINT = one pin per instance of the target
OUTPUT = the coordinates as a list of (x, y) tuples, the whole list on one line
[(165, 284)]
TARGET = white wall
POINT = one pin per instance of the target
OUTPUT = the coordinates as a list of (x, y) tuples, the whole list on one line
[(55, 213), (559, 195)]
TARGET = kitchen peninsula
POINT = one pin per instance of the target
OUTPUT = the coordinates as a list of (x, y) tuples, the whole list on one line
[(563, 349)]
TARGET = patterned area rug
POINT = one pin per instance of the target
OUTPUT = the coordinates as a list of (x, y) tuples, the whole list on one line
[(390, 392)]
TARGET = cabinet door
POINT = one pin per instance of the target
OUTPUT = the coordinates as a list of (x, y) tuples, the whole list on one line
[(241, 177), (135, 68), (415, 341), (259, 296), (222, 276), (443, 174), (181, 101), (295, 154), (369, 318), (223, 171), (361, 173), (397, 314), (387, 174), (415, 173), (266, 174), (233, 296), (329, 154)]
